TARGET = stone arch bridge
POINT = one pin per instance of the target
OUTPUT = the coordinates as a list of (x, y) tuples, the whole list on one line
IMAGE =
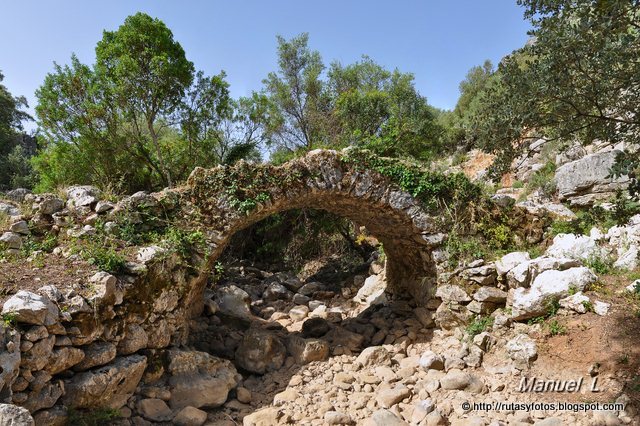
[(223, 201)]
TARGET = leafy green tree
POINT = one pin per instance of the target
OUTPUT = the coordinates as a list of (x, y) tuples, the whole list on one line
[(382, 110), (141, 118), (148, 75), (15, 169), (297, 92), (579, 78)]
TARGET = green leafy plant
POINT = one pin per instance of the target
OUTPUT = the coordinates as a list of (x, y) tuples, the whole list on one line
[(104, 258), (96, 417), (9, 319), (555, 328), (600, 264), (478, 325)]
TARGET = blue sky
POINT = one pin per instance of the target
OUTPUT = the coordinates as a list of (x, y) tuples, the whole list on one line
[(438, 41)]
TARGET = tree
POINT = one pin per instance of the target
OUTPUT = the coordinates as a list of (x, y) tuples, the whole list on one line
[(297, 92), (579, 78), (382, 110), (139, 119), (15, 169), (148, 75)]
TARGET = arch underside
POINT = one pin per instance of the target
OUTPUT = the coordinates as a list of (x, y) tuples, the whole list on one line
[(409, 267)]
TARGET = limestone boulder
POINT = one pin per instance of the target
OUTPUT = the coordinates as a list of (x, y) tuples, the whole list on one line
[(523, 350), (234, 301), (96, 354), (573, 246), (510, 261), (547, 288), (198, 379), (31, 308), (260, 351), (9, 209), (109, 386), (12, 415), (584, 181), (82, 196), (372, 291)]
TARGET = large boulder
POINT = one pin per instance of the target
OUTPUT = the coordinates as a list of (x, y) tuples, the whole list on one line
[(12, 415), (82, 196), (9, 360), (573, 246), (548, 287), (589, 179), (109, 386), (372, 292), (234, 301), (198, 379), (31, 308), (510, 261), (260, 352), (9, 209), (522, 349)]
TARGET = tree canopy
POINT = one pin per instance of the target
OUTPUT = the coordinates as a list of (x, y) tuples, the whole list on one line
[(578, 79)]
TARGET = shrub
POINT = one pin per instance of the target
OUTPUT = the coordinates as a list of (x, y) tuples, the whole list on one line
[(555, 328), (104, 258), (478, 325)]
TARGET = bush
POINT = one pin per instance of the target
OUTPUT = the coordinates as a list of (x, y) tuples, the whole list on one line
[(478, 325), (104, 258)]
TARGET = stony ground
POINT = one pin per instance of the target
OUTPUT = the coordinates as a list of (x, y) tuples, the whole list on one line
[(389, 364)]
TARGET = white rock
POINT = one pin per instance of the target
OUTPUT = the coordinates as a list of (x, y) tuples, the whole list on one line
[(577, 302), (372, 292), (146, 254), (11, 240), (629, 259), (31, 308), (548, 286), (601, 308), (574, 246), (82, 196), (523, 350), (452, 293), (298, 313), (234, 301), (431, 360), (510, 261), (9, 209), (634, 287), (12, 415)]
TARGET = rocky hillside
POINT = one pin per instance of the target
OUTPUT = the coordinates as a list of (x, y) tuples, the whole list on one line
[(112, 315)]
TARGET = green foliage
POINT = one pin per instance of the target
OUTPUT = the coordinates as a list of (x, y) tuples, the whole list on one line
[(555, 328), (96, 417), (45, 244), (361, 104), (104, 258), (600, 264), (478, 325), (140, 118), (542, 180), (184, 242), (576, 80), (15, 169), (9, 320), (431, 188), (588, 305), (461, 247)]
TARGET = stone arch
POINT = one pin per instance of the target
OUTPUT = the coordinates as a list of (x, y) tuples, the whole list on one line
[(325, 180)]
